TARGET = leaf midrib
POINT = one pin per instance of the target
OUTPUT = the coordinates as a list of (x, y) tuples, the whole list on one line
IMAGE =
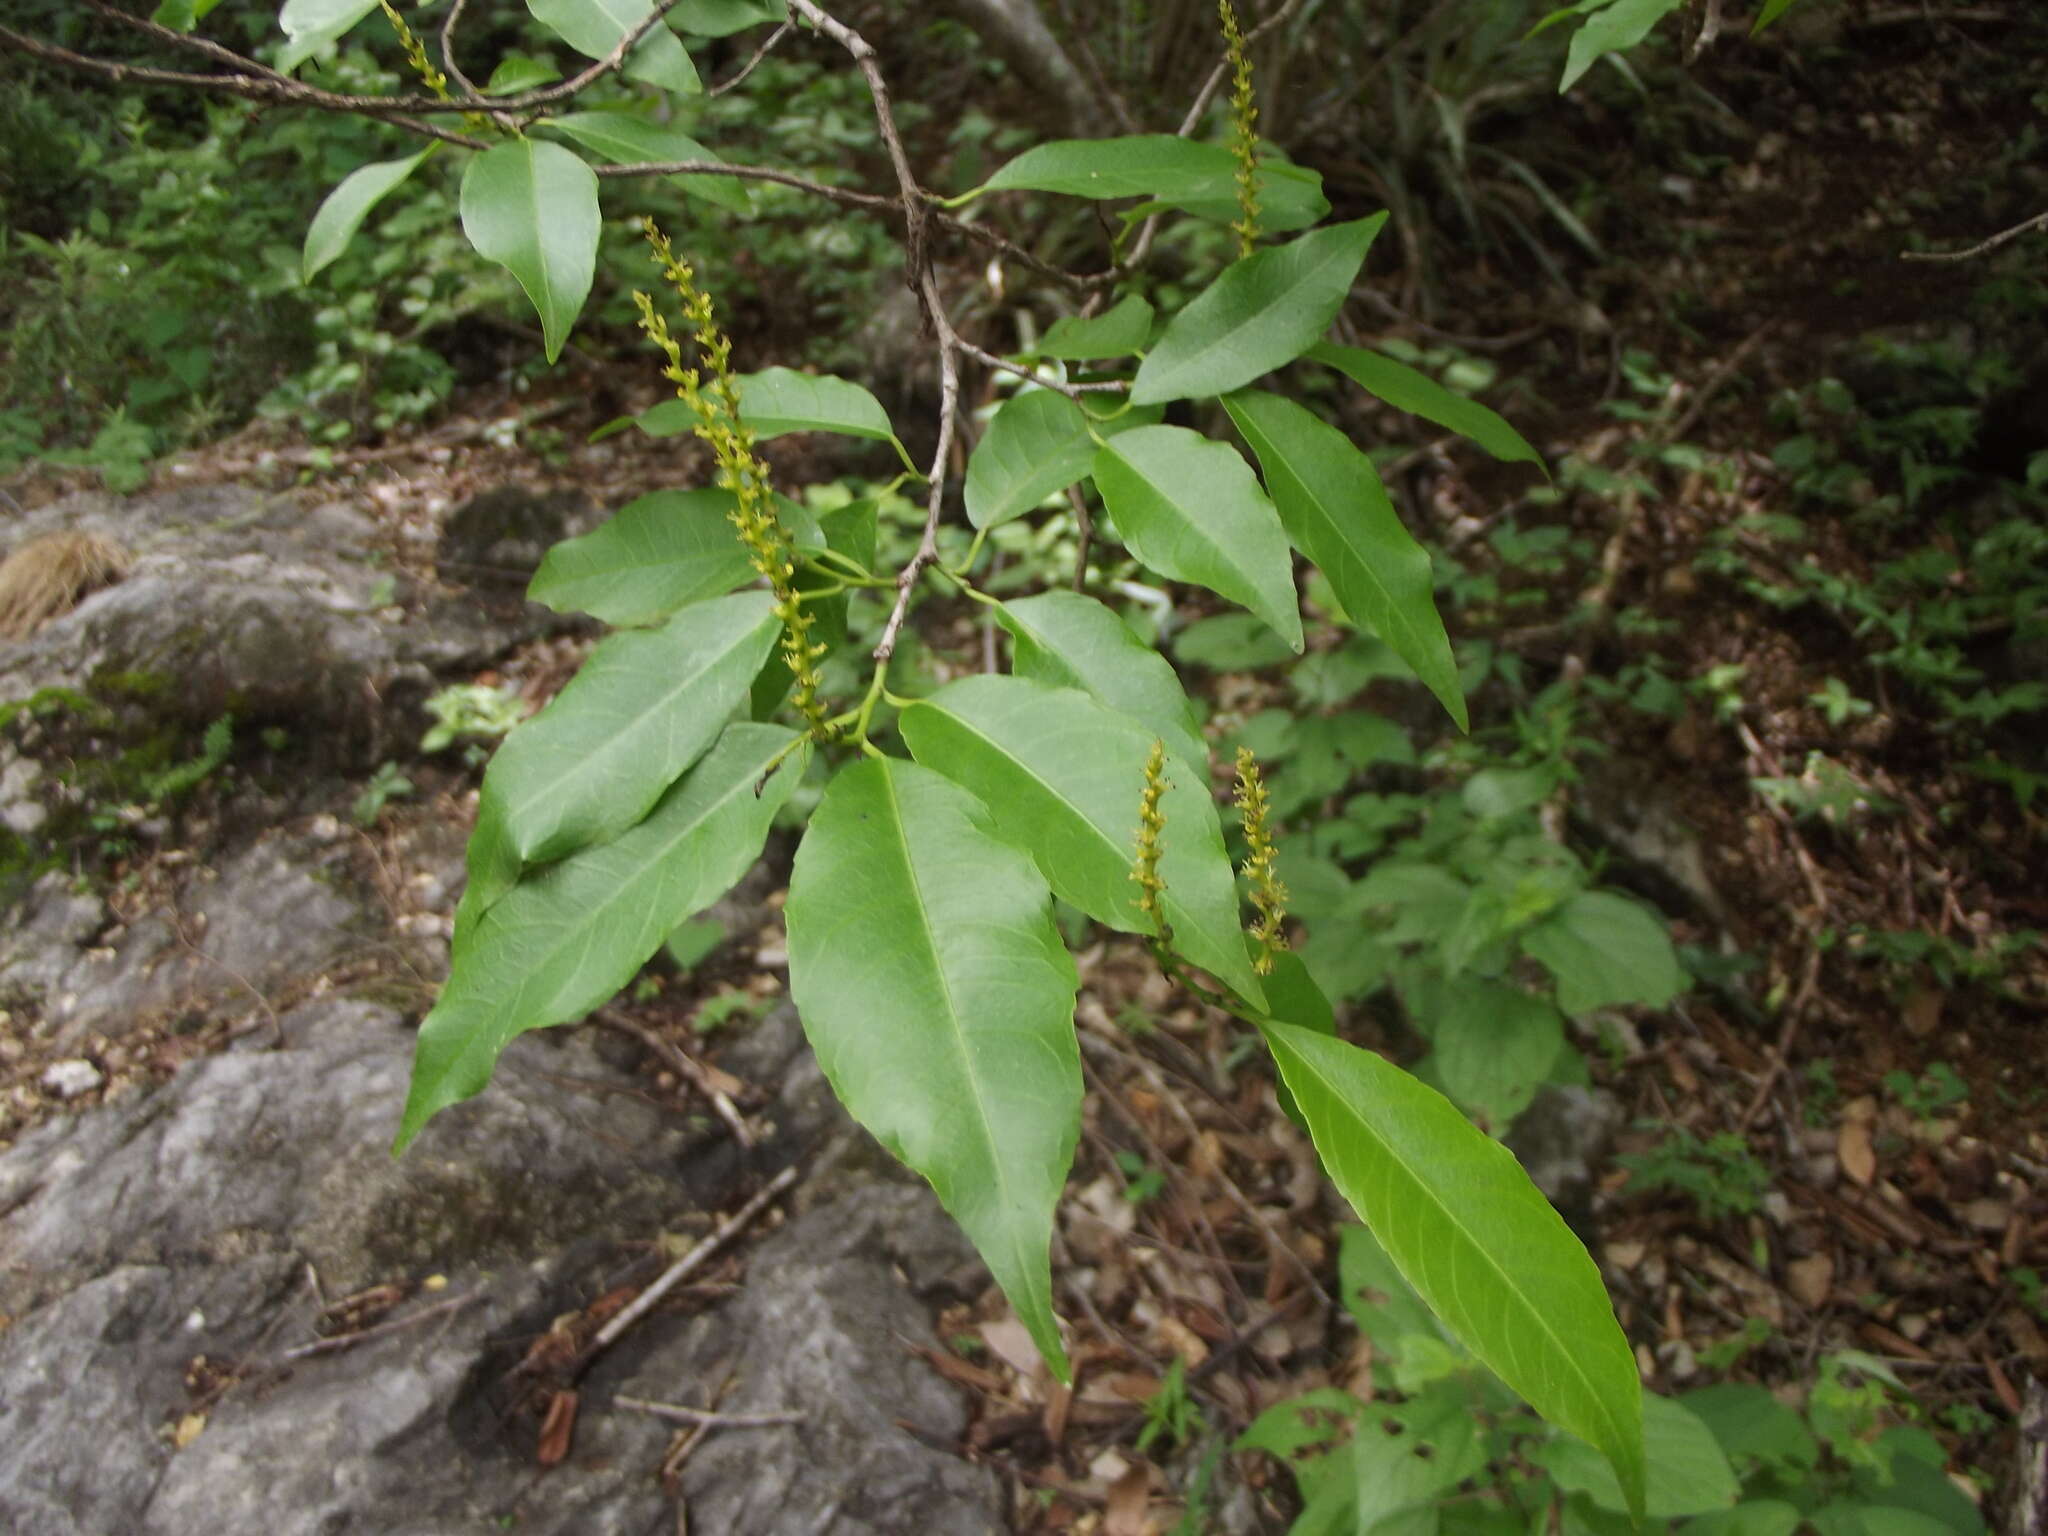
[(1264, 312)]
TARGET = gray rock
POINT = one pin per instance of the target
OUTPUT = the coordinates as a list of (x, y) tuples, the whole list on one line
[(496, 540)]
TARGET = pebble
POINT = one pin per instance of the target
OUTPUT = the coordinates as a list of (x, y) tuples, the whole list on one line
[(69, 1078)]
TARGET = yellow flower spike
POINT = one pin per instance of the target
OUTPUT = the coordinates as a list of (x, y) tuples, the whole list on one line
[(415, 51), (1260, 868), (1151, 843), (716, 405), (1244, 138)]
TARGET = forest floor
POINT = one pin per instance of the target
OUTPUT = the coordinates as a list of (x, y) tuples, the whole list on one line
[(1833, 712)]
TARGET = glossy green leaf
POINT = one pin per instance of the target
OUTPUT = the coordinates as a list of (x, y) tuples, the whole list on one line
[(567, 937), (1157, 165), (1117, 332), (1293, 997), (1262, 311), (1065, 640), (1688, 1474), (1192, 510), (182, 15), (1606, 950), (940, 1001), (656, 554), (1062, 777), (342, 213), (1290, 198), (779, 400), (531, 207), (1338, 514), (593, 28), (1037, 444), (1409, 389), (722, 18), (1495, 1045), (310, 25), (1752, 1517), (517, 72), (1474, 1237), (1612, 28), (624, 138), (643, 708)]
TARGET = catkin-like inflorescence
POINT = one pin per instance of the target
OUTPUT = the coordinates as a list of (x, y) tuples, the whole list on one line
[(415, 51), (1151, 843), (1260, 868), (715, 402), (1244, 137)]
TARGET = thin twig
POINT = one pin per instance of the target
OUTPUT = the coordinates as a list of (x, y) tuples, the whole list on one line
[(342, 1341), (949, 411), (1084, 526), (1982, 247), (688, 1264), (678, 1413), (1004, 365), (685, 1066), (752, 64)]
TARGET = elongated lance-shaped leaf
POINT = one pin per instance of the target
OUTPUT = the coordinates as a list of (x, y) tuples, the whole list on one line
[(933, 985), (532, 208), (722, 18), (569, 936), (311, 25), (643, 708), (1290, 198), (1474, 1237), (1193, 511), (1261, 312), (626, 139), (1065, 640), (658, 553), (342, 213), (1411, 390), (1062, 777), (1039, 443), (779, 400), (1611, 29), (593, 28), (1137, 165), (1338, 513)]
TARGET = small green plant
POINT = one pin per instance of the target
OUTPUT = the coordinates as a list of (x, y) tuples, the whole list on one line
[(1442, 1441), (475, 710), (388, 783), (1823, 1092), (729, 1010), (179, 779), (1835, 701), (1719, 1174), (1927, 1095), (1171, 1415), (1142, 1182)]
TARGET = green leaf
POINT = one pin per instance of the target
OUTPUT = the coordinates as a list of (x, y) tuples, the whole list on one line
[(1752, 1517), (780, 400), (1408, 389), (1290, 198), (517, 72), (1293, 997), (1062, 777), (722, 18), (1361, 1467), (1192, 510), (940, 1001), (1688, 1474), (1039, 442), (643, 708), (1138, 165), (1771, 11), (312, 24), (1230, 642), (1338, 514), (1117, 332), (532, 208), (593, 28), (1474, 1237), (342, 213), (1065, 640), (1611, 29), (568, 937), (182, 15), (1036, 444), (1262, 311), (1606, 950), (658, 553), (1495, 1045), (623, 138)]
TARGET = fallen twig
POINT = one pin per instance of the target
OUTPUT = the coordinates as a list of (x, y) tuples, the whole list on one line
[(341, 1341), (685, 1066), (680, 1413)]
